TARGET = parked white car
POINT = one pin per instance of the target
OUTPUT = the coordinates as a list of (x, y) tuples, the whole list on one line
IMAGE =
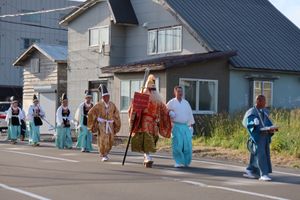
[(4, 106)]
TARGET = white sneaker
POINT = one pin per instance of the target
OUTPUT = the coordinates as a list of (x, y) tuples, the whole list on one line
[(265, 178), (249, 174), (104, 159), (178, 165)]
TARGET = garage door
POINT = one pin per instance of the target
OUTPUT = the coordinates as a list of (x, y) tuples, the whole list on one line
[(48, 102)]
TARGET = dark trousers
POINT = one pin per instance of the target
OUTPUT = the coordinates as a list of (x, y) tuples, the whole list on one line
[(23, 128), (261, 162)]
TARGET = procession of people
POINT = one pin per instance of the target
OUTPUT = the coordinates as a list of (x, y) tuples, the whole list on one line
[(157, 119)]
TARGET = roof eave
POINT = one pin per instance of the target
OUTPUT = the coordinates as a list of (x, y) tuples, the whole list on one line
[(82, 9), (136, 69), (252, 69), (160, 65), (19, 60)]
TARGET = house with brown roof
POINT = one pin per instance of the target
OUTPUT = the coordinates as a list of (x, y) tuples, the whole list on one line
[(223, 53)]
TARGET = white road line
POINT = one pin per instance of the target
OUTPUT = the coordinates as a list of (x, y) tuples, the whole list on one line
[(229, 165), (42, 156), (234, 190), (203, 185), (35, 196)]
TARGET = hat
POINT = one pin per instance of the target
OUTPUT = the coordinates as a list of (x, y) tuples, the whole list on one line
[(63, 97), (88, 93), (102, 88), (34, 99), (13, 99), (150, 83)]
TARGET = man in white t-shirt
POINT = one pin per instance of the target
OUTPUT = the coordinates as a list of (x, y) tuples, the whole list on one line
[(182, 117)]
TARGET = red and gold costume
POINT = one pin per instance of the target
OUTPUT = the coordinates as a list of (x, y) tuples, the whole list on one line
[(154, 121)]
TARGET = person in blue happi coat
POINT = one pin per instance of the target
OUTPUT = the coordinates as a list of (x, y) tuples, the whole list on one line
[(260, 129)]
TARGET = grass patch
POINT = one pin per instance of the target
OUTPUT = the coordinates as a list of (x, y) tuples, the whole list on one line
[(226, 131)]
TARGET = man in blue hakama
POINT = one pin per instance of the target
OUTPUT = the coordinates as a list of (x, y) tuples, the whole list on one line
[(13, 119), (182, 117), (260, 129), (63, 121), (34, 116), (84, 140)]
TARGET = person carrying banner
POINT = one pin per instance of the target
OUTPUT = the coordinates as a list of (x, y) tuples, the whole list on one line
[(154, 121)]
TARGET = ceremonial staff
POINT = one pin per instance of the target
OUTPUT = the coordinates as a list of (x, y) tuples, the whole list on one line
[(138, 107)]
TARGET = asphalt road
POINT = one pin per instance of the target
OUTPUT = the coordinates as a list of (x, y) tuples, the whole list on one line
[(48, 173)]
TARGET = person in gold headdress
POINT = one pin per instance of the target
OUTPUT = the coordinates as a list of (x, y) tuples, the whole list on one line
[(154, 121), (104, 119)]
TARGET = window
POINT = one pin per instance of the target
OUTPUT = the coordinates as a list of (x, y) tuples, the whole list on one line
[(99, 36), (165, 40), (93, 87), (34, 18), (128, 88), (265, 88), (35, 65), (27, 42), (201, 94)]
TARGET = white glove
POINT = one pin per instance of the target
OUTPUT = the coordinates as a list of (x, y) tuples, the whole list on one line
[(256, 122), (172, 114)]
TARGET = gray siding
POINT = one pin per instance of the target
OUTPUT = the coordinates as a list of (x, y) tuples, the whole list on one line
[(155, 16), (286, 93), (213, 70), (128, 44), (84, 61), (12, 33)]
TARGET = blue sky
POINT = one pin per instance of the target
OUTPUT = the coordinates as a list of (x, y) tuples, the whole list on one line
[(290, 8)]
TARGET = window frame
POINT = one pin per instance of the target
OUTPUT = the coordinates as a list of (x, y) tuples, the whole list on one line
[(157, 83), (156, 30), (216, 94), (99, 27), (262, 90)]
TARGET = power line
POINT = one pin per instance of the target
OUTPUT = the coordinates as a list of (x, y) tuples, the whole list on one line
[(34, 25), (38, 12)]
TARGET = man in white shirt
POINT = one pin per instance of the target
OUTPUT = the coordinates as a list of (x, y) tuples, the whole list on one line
[(182, 117)]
